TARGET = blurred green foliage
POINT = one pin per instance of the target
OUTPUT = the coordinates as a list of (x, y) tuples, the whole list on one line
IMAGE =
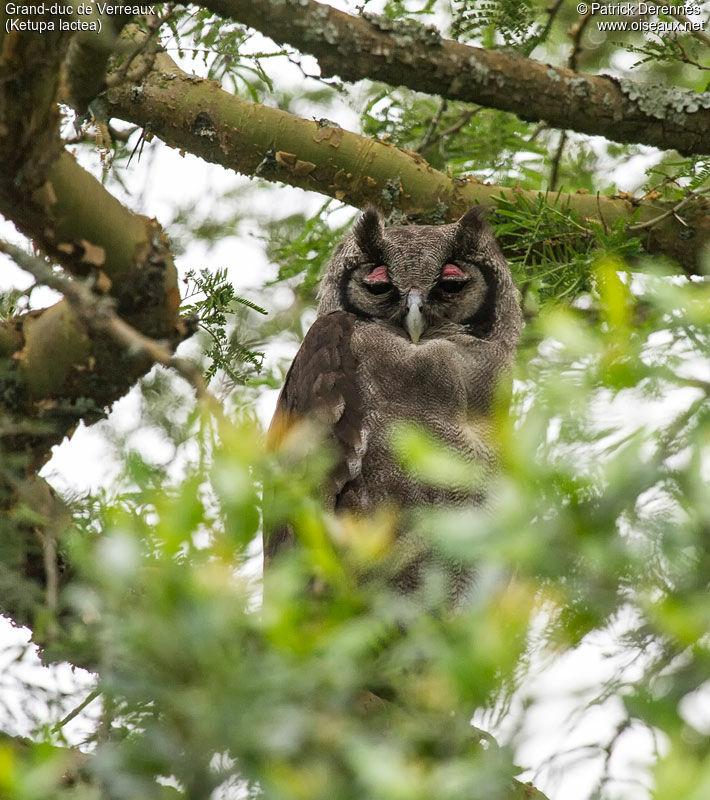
[(592, 520)]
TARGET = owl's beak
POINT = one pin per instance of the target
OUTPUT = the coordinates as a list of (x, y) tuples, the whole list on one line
[(414, 321)]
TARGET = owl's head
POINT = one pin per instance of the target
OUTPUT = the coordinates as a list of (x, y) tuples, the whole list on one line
[(426, 280)]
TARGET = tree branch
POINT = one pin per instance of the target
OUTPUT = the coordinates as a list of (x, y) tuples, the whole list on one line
[(193, 114), (56, 370), (56, 374), (689, 198), (98, 312), (54, 366), (87, 58), (38, 564), (409, 54)]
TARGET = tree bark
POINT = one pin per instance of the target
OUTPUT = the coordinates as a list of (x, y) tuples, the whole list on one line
[(56, 372), (190, 113), (54, 369), (409, 54)]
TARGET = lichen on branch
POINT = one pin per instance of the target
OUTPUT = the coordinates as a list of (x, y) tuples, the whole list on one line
[(409, 54), (197, 115)]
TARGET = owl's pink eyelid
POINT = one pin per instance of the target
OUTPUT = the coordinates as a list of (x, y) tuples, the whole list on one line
[(451, 271), (378, 275)]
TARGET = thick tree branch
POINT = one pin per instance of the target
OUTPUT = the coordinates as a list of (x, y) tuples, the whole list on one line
[(193, 114), (59, 373), (98, 312), (409, 54), (55, 368), (29, 117), (55, 372), (37, 563), (87, 58)]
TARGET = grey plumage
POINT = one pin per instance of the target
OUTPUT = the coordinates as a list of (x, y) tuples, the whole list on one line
[(415, 323)]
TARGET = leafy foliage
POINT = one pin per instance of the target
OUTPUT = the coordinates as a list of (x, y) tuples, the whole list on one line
[(302, 246), (683, 49), (511, 20), (230, 353), (675, 178), (552, 252), (598, 521), (205, 37), (464, 140)]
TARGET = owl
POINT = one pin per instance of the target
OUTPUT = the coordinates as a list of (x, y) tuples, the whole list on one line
[(415, 324)]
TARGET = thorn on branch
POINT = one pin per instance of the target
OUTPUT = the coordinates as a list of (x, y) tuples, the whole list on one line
[(145, 136)]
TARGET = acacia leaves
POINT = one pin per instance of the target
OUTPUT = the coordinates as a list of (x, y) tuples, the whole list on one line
[(335, 683)]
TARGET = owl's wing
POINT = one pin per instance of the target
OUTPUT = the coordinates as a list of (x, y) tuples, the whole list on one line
[(321, 385)]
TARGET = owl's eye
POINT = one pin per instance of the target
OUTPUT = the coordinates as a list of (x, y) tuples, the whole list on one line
[(378, 281), (452, 279)]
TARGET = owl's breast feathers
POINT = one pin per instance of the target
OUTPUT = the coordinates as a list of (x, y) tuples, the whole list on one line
[(355, 379), (321, 386)]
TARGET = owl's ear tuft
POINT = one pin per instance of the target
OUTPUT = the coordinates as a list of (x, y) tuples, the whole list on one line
[(368, 230), (471, 226)]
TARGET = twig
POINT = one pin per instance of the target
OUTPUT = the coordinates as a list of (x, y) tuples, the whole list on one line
[(86, 135), (608, 751), (577, 31), (551, 14), (433, 125), (701, 36), (686, 59), (697, 383), (671, 212), (601, 214), (332, 83), (148, 45), (557, 158), (76, 711), (674, 429), (49, 555), (98, 313), (464, 119), (576, 34), (539, 128)]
